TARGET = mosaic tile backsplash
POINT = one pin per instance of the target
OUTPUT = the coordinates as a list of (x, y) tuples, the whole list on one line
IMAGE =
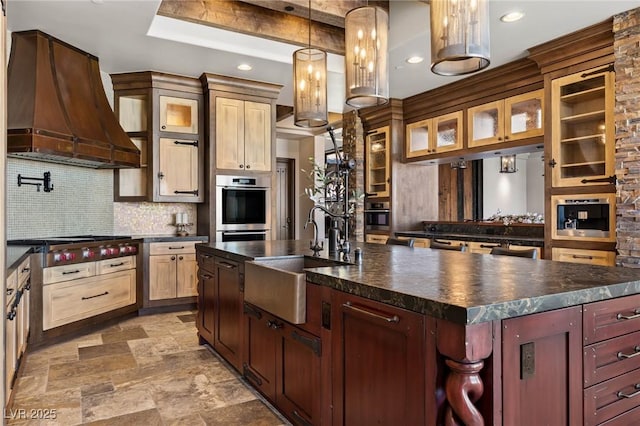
[(81, 201), (151, 218)]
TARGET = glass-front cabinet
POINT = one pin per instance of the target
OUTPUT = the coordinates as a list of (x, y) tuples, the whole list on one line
[(582, 107), (514, 118), (434, 135), (377, 163)]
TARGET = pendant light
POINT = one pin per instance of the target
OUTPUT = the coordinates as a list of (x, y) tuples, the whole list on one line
[(366, 57), (508, 164), (459, 36), (310, 85)]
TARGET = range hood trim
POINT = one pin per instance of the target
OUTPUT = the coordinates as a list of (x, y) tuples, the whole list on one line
[(57, 107)]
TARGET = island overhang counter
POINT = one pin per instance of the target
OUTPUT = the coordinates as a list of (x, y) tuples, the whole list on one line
[(502, 339)]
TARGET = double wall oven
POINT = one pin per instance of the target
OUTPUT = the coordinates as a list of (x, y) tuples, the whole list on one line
[(243, 210)]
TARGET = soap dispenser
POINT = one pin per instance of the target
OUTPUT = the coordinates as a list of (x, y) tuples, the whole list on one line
[(334, 237)]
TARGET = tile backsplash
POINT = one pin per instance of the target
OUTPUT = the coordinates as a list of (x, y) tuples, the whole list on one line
[(151, 218), (81, 201)]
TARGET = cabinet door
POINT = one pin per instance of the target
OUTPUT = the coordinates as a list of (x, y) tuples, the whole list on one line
[(229, 134), (257, 136), (131, 109), (261, 340), (10, 348), (228, 312), (582, 132), (178, 115), (162, 277), (486, 124), (206, 305), (378, 152), (447, 135), (178, 169), (299, 375), (378, 363), (542, 372), (418, 138), (523, 115), (187, 270)]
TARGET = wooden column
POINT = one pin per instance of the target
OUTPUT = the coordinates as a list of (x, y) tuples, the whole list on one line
[(465, 349)]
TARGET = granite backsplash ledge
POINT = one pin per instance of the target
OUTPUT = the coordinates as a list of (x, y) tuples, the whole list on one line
[(529, 230)]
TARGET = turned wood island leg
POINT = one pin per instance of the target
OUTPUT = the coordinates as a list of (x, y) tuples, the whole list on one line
[(465, 348)]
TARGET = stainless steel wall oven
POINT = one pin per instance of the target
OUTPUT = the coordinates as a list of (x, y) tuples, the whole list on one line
[(376, 216), (243, 208)]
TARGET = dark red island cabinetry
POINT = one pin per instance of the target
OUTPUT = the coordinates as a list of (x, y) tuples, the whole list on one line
[(378, 354), (227, 310)]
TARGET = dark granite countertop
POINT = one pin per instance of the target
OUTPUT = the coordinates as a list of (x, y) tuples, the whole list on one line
[(160, 238), (485, 238), (16, 254), (465, 288)]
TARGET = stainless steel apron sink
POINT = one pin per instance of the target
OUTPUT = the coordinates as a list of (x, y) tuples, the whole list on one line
[(279, 285)]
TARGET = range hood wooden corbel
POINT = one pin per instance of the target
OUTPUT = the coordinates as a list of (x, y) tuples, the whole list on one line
[(57, 108)]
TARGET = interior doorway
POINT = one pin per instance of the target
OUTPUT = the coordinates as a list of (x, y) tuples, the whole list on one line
[(285, 201)]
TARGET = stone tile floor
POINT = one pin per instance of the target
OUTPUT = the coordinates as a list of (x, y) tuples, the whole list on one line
[(148, 370)]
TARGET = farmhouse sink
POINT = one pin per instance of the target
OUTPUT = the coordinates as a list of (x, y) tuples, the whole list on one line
[(279, 285)]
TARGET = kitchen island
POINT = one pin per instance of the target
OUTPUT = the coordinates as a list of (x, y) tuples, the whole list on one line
[(476, 338)]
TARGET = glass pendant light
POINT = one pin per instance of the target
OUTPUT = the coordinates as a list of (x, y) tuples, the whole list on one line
[(459, 36), (366, 57), (310, 85), (508, 164)]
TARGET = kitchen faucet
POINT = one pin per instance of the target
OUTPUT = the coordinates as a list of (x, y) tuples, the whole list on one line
[(316, 245)]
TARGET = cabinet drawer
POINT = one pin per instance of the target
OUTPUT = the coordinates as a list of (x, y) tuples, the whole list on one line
[(71, 301), (108, 266), (24, 271), (611, 318), (206, 262), (377, 239), (12, 285), (611, 398), (480, 247), (173, 247), (611, 358), (68, 272), (592, 257)]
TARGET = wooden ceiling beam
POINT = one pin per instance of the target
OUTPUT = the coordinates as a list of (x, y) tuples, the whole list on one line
[(257, 21), (330, 12)]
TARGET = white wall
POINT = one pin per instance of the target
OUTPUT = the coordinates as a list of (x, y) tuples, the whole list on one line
[(513, 193)]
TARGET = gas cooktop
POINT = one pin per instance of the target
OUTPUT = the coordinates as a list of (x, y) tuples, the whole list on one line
[(67, 240)]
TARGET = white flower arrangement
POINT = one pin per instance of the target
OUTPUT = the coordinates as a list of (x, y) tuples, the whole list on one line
[(516, 218)]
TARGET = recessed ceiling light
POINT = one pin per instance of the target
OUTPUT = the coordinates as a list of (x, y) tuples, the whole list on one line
[(97, 1), (245, 67), (512, 16), (415, 59)]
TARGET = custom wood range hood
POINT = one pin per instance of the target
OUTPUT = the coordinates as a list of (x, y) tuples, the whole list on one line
[(57, 108)]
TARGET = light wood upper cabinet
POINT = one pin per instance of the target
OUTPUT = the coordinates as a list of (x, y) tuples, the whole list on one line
[(434, 135), (243, 135), (517, 117), (166, 126), (178, 115), (178, 172), (582, 133), (378, 154)]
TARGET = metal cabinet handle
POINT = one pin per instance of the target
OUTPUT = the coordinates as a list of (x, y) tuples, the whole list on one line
[(77, 271), (241, 166), (227, 265), (448, 243), (10, 291), (180, 257), (115, 265), (621, 394), (636, 352), (11, 314), (176, 248), (207, 276), (248, 166), (349, 305), (194, 192), (489, 245), (581, 256), (26, 269), (97, 295), (173, 258), (636, 314), (274, 324)]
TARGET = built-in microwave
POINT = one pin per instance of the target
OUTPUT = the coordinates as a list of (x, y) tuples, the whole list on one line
[(583, 217), (376, 216), (243, 203)]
